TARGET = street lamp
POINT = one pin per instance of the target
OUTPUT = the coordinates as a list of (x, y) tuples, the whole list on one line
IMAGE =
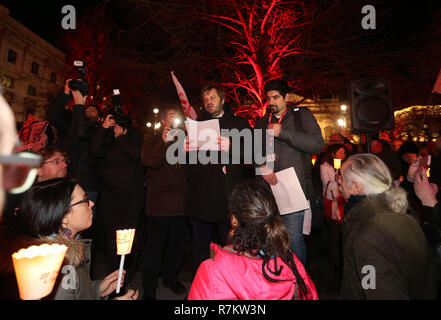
[(341, 123), (149, 124), (156, 111), (343, 107)]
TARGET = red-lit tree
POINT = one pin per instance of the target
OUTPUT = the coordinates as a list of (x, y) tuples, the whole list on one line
[(260, 34), (318, 46), (239, 44)]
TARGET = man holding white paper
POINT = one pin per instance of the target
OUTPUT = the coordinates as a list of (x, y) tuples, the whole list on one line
[(211, 181), (294, 137)]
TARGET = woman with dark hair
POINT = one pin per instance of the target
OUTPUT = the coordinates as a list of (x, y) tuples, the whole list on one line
[(333, 201), (258, 263), (56, 211), (329, 178)]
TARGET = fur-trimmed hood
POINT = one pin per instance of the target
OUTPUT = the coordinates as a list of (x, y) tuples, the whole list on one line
[(76, 251)]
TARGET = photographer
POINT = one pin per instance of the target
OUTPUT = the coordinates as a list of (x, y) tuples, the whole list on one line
[(121, 201), (75, 128)]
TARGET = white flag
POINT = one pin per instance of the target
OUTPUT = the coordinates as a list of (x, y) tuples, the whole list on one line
[(437, 85), (188, 109)]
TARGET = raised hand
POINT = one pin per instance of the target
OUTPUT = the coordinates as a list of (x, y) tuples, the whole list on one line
[(108, 122)]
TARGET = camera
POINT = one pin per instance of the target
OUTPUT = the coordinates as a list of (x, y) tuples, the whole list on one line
[(117, 113), (80, 83)]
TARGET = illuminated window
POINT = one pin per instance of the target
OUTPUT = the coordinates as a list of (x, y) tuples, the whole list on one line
[(7, 82)]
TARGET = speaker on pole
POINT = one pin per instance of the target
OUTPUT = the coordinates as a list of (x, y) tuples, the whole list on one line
[(371, 105)]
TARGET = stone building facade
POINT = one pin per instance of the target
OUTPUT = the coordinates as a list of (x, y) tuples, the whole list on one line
[(31, 70)]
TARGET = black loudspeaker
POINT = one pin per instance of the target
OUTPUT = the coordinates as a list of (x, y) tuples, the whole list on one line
[(371, 105)]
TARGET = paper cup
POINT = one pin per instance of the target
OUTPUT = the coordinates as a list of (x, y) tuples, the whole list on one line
[(36, 269), (337, 163), (124, 241)]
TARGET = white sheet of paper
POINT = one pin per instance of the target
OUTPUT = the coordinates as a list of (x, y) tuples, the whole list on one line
[(203, 134), (288, 192), (307, 220)]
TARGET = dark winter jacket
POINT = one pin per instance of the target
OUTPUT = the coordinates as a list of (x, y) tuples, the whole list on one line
[(122, 169), (74, 134), (294, 147), (386, 254), (167, 183), (391, 159), (208, 185)]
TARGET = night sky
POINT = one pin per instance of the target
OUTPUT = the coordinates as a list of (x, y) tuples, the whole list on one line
[(44, 17), (409, 18)]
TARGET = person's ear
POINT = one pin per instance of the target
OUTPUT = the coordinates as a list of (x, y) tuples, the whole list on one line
[(65, 221), (356, 188)]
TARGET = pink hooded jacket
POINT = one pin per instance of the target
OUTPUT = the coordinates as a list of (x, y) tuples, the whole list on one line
[(231, 276)]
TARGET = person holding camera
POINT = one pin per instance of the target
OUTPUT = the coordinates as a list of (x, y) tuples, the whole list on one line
[(165, 205), (75, 128), (118, 144)]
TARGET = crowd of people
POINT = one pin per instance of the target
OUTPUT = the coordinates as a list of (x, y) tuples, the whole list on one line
[(378, 207)]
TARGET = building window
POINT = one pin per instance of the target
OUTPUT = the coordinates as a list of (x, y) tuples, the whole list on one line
[(12, 56), (7, 82), (34, 68), (31, 91), (53, 77)]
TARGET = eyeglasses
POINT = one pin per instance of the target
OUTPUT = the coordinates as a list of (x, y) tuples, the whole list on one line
[(57, 161), (86, 199), (19, 171)]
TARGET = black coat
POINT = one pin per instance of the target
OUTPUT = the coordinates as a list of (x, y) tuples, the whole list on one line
[(167, 183), (391, 159), (122, 195), (122, 168), (208, 186), (74, 134), (294, 147)]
